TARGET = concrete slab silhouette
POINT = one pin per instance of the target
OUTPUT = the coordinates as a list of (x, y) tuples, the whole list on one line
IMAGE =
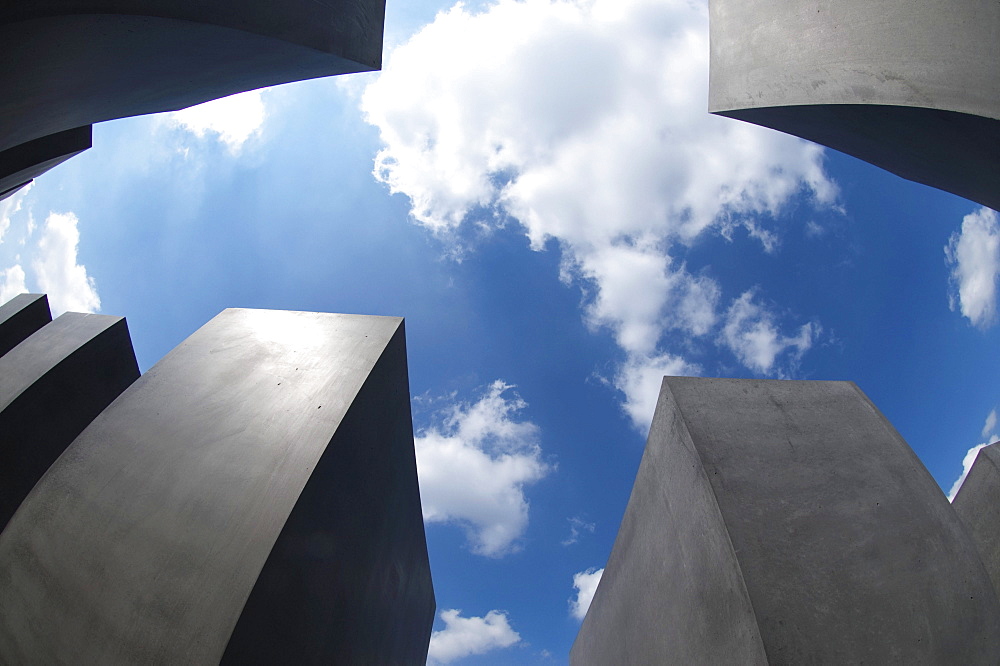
[(52, 385), (978, 505), (252, 498), (20, 317), (908, 85), (786, 522)]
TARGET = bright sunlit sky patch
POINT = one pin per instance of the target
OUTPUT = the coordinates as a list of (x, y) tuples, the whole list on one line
[(537, 187)]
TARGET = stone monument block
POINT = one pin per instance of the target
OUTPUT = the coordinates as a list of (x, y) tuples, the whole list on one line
[(786, 522), (252, 498), (20, 317), (978, 505), (52, 385)]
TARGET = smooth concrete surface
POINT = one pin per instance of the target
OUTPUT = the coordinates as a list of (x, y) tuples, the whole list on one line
[(20, 317), (118, 58), (52, 385), (911, 86), (978, 505), (252, 498), (786, 522), (23, 163)]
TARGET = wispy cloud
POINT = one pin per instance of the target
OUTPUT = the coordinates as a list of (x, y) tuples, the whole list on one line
[(751, 334), (577, 526), (585, 121), (585, 583), (973, 254), (465, 636), (473, 465)]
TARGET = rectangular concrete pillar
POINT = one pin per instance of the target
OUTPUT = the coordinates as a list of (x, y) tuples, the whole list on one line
[(251, 499), (20, 317), (978, 505), (52, 385), (786, 522)]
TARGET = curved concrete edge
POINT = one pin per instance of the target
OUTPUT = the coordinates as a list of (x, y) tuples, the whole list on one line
[(52, 385), (978, 505), (20, 317), (672, 590), (111, 66), (144, 541), (23, 163), (807, 495), (954, 152)]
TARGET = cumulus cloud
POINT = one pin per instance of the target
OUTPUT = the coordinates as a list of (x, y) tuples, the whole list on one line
[(585, 584), (973, 254), (990, 435), (57, 271), (464, 636), (11, 283), (473, 466), (751, 334), (639, 381), (231, 120), (585, 121)]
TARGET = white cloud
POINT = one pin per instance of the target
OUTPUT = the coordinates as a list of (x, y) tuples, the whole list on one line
[(639, 381), (586, 121), (473, 467), (464, 636), (585, 584), (232, 120), (751, 334), (577, 526), (974, 257), (56, 268), (11, 283), (10, 206), (990, 424)]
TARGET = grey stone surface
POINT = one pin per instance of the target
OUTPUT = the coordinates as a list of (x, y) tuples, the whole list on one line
[(20, 317), (252, 498), (22, 163), (786, 522), (978, 505), (52, 385), (908, 85)]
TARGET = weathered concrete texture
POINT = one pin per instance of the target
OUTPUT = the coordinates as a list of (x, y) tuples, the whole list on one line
[(908, 85), (20, 317), (786, 522), (978, 505), (52, 385), (252, 497), (23, 163)]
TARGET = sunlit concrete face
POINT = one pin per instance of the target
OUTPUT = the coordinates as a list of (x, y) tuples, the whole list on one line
[(79, 62), (251, 499), (978, 505), (786, 522), (911, 86)]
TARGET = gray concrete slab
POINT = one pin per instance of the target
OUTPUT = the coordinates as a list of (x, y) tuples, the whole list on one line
[(908, 85), (52, 385), (252, 497), (24, 162), (846, 548), (978, 505), (20, 317)]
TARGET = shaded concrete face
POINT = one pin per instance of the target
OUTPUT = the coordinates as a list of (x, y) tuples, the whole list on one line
[(978, 505), (847, 549), (118, 58), (20, 317), (908, 85), (52, 385), (264, 467), (24, 162)]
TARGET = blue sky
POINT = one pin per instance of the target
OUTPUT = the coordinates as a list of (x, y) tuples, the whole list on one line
[(537, 187)]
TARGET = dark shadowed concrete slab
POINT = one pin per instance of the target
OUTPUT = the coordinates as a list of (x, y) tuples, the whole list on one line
[(20, 317), (786, 522), (52, 385), (252, 497), (24, 162), (978, 505)]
